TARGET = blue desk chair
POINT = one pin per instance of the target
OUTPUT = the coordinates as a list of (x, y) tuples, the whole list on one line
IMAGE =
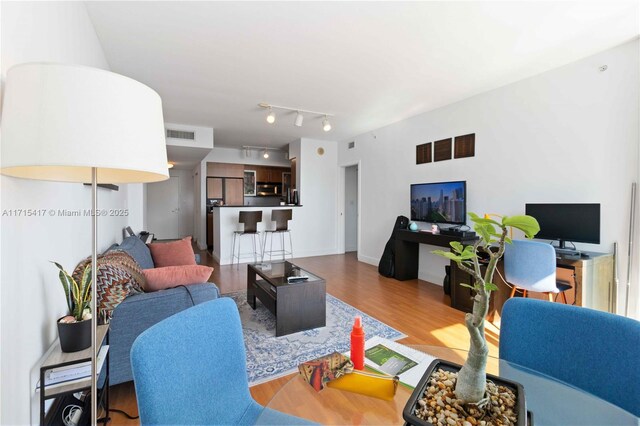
[(601, 357), (531, 266), (191, 369)]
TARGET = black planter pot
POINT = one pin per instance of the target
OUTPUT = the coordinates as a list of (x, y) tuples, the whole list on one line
[(74, 336), (409, 409)]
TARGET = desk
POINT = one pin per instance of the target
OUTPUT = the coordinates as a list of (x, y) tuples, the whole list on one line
[(592, 279), (407, 250), (551, 402), (594, 286)]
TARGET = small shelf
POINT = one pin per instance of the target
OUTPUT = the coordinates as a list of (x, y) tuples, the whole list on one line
[(57, 358)]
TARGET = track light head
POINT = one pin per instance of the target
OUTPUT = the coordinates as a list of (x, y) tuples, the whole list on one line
[(299, 118), (326, 126), (271, 117), (266, 154)]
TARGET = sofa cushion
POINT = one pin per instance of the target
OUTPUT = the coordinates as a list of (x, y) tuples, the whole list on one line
[(174, 253), (118, 276), (138, 250), (173, 276)]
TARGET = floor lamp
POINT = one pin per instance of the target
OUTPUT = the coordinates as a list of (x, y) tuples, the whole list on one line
[(70, 123)]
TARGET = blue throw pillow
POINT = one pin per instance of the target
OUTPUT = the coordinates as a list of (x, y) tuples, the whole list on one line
[(135, 248)]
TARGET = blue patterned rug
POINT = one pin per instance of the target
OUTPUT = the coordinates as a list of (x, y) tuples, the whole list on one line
[(270, 357)]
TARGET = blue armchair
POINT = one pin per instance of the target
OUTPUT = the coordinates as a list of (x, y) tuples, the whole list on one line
[(191, 369), (601, 346)]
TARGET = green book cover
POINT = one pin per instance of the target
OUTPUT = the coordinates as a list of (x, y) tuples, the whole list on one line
[(396, 363)]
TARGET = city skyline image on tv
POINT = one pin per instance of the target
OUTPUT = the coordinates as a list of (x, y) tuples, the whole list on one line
[(442, 202)]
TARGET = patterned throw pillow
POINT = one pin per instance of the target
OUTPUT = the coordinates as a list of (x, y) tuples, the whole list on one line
[(118, 276)]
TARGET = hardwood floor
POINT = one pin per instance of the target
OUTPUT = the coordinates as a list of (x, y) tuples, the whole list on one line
[(417, 308)]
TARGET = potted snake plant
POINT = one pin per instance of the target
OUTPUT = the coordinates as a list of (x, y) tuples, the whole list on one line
[(452, 394), (74, 329)]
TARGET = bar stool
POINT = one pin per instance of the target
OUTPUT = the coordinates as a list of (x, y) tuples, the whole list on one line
[(250, 220), (281, 218)]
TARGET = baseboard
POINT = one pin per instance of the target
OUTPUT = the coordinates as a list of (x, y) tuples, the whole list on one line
[(368, 259)]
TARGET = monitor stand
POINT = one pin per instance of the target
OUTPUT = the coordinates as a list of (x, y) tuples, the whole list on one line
[(562, 249)]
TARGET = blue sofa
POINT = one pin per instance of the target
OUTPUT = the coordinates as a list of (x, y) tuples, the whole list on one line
[(140, 311)]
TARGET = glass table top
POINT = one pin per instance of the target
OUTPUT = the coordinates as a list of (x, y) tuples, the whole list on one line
[(551, 401), (277, 273)]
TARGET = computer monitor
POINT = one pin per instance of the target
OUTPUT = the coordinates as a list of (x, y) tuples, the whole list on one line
[(578, 223)]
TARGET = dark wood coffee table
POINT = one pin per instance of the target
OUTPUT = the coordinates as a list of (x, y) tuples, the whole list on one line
[(297, 306)]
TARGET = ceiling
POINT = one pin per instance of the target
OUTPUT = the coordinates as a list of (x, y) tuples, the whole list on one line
[(369, 63)]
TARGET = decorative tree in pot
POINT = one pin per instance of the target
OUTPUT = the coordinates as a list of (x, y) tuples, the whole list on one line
[(74, 329), (471, 382)]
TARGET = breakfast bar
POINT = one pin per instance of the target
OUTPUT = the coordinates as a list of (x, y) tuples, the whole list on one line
[(225, 222)]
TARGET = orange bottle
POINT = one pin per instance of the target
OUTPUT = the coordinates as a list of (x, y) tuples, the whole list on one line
[(357, 344)]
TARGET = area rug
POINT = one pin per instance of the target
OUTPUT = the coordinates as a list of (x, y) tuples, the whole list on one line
[(270, 357)]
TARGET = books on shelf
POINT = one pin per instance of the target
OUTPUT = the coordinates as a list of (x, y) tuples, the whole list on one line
[(396, 359), (73, 373)]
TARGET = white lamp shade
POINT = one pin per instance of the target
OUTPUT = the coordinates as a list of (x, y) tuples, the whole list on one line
[(60, 121)]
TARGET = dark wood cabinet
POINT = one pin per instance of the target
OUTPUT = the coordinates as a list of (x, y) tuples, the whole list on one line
[(462, 297), (267, 173)]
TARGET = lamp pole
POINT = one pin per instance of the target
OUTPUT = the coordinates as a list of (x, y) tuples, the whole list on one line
[(94, 298)]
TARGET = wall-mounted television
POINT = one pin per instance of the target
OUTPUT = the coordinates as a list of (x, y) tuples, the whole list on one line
[(578, 223), (440, 202)]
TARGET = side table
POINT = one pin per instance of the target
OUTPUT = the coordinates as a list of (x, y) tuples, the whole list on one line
[(57, 359)]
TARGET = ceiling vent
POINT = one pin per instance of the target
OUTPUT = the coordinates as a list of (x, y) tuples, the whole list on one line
[(181, 134), (352, 144)]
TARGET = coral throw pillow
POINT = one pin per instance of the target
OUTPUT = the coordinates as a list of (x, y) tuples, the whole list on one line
[(174, 253), (173, 276)]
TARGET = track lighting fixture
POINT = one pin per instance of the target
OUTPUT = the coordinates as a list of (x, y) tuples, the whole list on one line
[(266, 153), (326, 126), (271, 117), (170, 165)]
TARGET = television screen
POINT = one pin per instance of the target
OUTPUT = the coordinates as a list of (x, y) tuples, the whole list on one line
[(442, 202), (579, 223)]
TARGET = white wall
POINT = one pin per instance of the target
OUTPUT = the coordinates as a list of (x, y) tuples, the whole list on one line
[(567, 135), (237, 156), (318, 193), (32, 298), (162, 200)]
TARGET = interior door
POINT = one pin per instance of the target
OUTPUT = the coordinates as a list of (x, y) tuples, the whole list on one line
[(163, 208)]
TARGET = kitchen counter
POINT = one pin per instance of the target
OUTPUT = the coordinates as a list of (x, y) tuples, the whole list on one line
[(225, 222)]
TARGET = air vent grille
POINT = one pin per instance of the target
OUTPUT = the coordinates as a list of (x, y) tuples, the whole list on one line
[(181, 134), (352, 144)]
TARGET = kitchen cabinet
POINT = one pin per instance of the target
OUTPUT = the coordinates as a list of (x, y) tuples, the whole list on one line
[(225, 170), (263, 174), (267, 173), (214, 188), (234, 192)]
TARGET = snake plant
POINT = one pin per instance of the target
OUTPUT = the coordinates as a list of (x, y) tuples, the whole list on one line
[(77, 295)]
